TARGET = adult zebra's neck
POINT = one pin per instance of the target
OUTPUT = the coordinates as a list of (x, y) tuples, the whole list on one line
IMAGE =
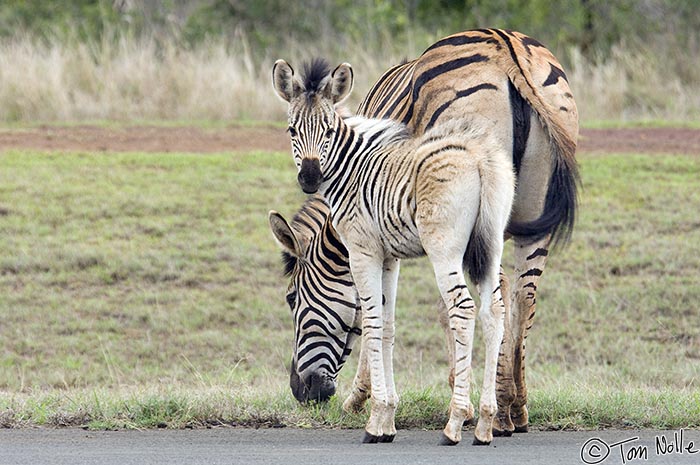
[(358, 141)]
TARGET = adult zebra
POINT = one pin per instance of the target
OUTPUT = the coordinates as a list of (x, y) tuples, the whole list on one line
[(517, 83)]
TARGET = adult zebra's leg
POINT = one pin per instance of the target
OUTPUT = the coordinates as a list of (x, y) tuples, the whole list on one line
[(390, 281), (530, 259), (367, 274), (505, 382)]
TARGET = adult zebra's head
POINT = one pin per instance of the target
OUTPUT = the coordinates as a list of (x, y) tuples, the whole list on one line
[(321, 296), (312, 98)]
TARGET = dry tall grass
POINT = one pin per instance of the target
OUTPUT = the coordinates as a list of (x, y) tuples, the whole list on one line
[(636, 83), (132, 79)]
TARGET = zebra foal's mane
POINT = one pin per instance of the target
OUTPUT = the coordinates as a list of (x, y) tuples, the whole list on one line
[(305, 224), (314, 75), (386, 131)]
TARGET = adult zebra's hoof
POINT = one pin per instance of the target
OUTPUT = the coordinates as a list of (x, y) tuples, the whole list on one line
[(370, 438), (502, 433), (478, 442), (521, 429), (445, 441), (386, 438)]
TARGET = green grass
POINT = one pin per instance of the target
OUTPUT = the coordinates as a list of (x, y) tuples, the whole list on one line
[(134, 268), (570, 407), (144, 290)]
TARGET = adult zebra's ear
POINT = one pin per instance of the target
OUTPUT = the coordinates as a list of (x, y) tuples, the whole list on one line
[(341, 82), (284, 234), (285, 83)]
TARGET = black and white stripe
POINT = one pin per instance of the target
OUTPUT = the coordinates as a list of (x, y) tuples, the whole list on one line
[(522, 82)]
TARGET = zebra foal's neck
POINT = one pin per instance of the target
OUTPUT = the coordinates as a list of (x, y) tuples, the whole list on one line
[(370, 189), (359, 140)]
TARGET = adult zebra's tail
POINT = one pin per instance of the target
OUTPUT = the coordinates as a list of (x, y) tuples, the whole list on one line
[(560, 124), (561, 202)]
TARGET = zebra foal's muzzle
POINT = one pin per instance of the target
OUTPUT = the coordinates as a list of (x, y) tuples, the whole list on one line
[(315, 387), (310, 176)]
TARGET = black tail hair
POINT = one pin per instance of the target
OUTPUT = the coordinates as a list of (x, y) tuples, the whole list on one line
[(479, 254), (560, 206)]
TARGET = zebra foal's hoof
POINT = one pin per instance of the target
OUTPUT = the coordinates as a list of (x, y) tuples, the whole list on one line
[(445, 441), (370, 438), (479, 442), (502, 433), (521, 429)]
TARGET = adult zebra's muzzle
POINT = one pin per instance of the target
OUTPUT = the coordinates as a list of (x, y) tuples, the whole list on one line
[(316, 387), (310, 176)]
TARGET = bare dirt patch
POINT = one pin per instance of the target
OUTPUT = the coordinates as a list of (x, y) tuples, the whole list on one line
[(146, 139), (641, 140), (271, 138)]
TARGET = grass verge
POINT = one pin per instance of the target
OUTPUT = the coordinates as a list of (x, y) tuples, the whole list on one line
[(139, 290), (559, 408)]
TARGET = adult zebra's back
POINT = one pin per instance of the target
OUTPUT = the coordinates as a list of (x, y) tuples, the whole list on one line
[(517, 83), (509, 78)]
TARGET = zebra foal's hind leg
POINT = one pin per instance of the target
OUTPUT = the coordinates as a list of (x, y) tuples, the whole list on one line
[(390, 281), (461, 312), (445, 241), (491, 316)]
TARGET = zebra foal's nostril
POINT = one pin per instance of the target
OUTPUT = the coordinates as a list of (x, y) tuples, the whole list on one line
[(310, 177)]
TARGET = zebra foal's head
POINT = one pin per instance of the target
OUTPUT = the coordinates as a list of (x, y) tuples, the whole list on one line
[(312, 98), (321, 297)]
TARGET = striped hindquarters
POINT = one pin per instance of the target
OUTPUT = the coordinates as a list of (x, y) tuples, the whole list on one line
[(504, 76)]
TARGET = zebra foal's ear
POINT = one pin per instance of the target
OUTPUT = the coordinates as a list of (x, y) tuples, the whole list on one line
[(284, 234), (284, 81), (341, 82)]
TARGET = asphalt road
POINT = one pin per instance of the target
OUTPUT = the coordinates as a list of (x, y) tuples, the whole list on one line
[(308, 447)]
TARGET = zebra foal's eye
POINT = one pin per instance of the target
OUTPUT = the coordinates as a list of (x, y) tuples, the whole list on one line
[(292, 131), (329, 133), (291, 299)]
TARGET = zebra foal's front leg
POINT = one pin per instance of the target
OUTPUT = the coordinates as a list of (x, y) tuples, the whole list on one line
[(367, 274)]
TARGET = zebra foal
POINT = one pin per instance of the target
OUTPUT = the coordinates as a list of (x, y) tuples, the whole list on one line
[(447, 194)]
